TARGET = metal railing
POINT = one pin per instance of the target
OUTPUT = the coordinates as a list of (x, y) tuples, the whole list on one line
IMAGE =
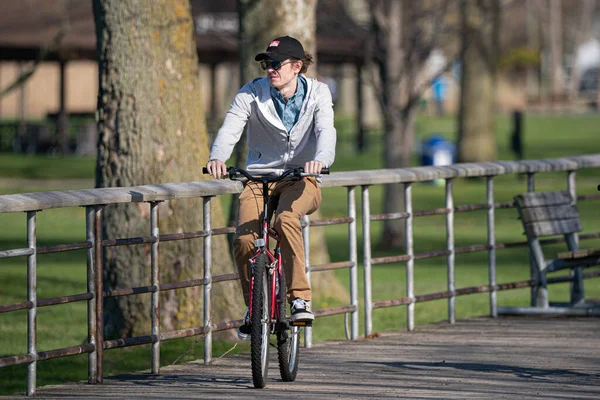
[(95, 200), (491, 246)]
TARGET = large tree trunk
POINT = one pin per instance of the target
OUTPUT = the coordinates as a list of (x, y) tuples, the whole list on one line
[(399, 144), (476, 130), (152, 130), (296, 19), (390, 62), (252, 39), (390, 27), (404, 35)]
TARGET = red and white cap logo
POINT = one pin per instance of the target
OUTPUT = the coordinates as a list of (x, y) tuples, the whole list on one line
[(274, 43)]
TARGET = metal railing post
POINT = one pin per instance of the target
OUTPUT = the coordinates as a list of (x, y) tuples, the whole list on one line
[(533, 271), (366, 225), (410, 264), (491, 240), (154, 233), (354, 260), (531, 181), (572, 184), (306, 239), (206, 207), (575, 286), (450, 249), (91, 288), (99, 314), (32, 298)]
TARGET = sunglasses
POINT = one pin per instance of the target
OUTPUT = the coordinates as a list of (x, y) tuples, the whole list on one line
[(273, 64)]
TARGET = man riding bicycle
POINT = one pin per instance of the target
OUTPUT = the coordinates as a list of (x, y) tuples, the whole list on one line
[(289, 119)]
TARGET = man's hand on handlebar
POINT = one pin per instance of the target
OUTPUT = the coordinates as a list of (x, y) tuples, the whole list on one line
[(313, 167), (217, 169)]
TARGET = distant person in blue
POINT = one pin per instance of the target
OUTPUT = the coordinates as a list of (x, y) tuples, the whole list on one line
[(439, 87)]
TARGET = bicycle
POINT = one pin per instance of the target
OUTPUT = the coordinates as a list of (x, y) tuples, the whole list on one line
[(268, 304)]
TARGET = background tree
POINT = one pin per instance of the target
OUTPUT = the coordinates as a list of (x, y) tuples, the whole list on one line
[(260, 22), (555, 37), (565, 26), (255, 33), (404, 35), (578, 24), (479, 61), (152, 130)]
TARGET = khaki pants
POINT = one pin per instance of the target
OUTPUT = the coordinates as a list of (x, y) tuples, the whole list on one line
[(296, 199)]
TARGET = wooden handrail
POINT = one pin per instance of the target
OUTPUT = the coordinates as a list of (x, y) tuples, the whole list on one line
[(181, 190)]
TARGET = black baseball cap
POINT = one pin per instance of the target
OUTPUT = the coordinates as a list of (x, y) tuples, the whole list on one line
[(281, 49)]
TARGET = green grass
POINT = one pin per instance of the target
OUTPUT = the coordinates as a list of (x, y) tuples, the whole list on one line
[(46, 167), (64, 273)]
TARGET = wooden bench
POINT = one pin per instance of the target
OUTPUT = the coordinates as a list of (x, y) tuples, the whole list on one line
[(552, 214)]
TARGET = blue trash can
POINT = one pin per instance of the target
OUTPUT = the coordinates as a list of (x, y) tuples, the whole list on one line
[(437, 151)]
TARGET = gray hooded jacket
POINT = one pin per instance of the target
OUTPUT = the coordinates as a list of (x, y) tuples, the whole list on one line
[(270, 148)]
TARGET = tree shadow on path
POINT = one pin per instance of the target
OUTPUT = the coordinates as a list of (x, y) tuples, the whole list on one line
[(520, 372)]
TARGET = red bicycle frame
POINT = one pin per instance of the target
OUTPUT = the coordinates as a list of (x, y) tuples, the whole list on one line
[(262, 244), (274, 257)]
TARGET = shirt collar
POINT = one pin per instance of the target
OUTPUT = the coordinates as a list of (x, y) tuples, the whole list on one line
[(300, 90)]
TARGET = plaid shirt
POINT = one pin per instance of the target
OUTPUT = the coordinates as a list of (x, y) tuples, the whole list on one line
[(289, 111)]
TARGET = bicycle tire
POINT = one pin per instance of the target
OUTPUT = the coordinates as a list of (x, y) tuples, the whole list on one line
[(261, 323), (288, 340)]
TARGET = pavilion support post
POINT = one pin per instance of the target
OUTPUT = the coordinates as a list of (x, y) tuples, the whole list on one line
[(361, 140), (22, 130), (63, 118), (213, 91), (1, 86)]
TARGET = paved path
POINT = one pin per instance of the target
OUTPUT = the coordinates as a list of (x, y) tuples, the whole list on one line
[(480, 358)]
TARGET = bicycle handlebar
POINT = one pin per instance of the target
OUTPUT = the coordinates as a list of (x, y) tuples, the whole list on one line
[(296, 172)]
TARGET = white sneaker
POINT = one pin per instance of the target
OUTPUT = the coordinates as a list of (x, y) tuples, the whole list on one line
[(301, 311), (244, 330)]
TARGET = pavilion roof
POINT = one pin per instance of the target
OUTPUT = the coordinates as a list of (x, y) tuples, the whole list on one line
[(27, 27)]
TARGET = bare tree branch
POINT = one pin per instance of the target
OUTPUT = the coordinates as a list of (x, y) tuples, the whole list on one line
[(379, 15), (541, 6), (377, 85), (419, 90), (438, 24), (414, 36)]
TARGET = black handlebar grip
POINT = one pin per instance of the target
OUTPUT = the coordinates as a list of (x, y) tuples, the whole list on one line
[(204, 170)]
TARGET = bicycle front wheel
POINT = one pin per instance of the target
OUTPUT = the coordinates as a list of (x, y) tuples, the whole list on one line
[(288, 340), (261, 323)]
